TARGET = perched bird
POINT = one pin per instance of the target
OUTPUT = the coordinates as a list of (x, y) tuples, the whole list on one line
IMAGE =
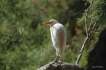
[(58, 36)]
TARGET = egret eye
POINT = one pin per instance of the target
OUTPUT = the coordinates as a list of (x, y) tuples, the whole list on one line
[(51, 22)]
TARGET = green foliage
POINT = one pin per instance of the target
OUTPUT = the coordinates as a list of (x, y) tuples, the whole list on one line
[(83, 61), (96, 13)]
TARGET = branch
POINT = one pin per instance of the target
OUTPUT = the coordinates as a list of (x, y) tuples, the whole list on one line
[(81, 51), (87, 32), (60, 66)]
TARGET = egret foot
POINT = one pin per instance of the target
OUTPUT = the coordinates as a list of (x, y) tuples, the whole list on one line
[(60, 62)]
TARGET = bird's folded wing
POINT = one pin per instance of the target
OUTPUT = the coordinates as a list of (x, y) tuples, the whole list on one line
[(61, 38)]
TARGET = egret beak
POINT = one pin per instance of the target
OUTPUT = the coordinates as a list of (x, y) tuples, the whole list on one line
[(46, 23)]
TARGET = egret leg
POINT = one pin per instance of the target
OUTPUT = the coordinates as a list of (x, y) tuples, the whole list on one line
[(61, 56), (56, 58), (61, 60), (57, 55)]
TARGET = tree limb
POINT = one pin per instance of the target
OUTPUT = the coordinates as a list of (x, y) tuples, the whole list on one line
[(60, 66)]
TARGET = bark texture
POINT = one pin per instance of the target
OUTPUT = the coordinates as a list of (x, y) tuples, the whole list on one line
[(60, 66)]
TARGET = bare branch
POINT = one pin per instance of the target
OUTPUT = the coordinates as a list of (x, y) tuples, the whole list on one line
[(81, 51), (86, 26), (87, 32), (90, 25)]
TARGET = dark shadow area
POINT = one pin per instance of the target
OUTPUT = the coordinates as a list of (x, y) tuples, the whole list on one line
[(97, 56)]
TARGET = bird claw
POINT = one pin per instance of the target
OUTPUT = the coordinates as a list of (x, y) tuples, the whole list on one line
[(55, 61), (60, 62)]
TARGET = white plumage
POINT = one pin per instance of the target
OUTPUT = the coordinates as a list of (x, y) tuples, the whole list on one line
[(58, 36)]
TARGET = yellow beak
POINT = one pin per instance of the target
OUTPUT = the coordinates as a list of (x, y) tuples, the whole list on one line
[(46, 23)]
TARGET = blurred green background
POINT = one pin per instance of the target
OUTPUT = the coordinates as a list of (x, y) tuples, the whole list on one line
[(25, 44)]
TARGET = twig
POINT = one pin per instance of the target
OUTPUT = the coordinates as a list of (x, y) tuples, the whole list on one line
[(81, 51), (86, 26), (90, 25), (96, 22)]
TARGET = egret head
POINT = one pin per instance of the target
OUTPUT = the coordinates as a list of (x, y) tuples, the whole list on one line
[(51, 22)]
